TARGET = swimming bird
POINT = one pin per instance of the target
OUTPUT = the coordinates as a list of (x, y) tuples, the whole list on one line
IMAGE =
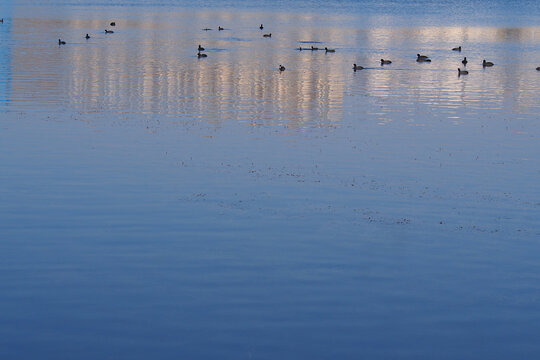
[(314, 48), (2, 20), (538, 68), (261, 27), (299, 49), (487, 63), (422, 58), (200, 55), (329, 50), (357, 67), (200, 48), (109, 31), (464, 61), (462, 72), (267, 35), (87, 37), (61, 42), (281, 68), (113, 24), (456, 48), (207, 29), (220, 28), (385, 62)]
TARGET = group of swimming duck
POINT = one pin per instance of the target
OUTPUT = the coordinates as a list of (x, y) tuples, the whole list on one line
[(107, 31), (316, 48), (220, 28), (419, 58), (465, 61), (424, 58)]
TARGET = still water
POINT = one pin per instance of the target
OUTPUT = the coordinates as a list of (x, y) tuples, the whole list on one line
[(157, 205)]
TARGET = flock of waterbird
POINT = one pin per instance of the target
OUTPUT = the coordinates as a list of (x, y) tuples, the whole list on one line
[(87, 36), (424, 58), (419, 58)]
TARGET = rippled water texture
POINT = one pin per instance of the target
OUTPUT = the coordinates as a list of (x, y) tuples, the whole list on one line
[(158, 205)]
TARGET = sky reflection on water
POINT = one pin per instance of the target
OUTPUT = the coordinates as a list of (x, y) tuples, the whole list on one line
[(149, 66)]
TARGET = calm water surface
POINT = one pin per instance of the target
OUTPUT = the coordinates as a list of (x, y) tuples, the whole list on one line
[(157, 205)]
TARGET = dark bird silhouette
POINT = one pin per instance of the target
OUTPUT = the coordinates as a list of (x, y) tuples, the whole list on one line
[(109, 31), (267, 35), (385, 62), (113, 24), (457, 48), (329, 50), (61, 42), (314, 48), (220, 28), (261, 27), (87, 37), (464, 61), (207, 29), (462, 72), (357, 67), (200, 55), (200, 48), (281, 68), (487, 63)]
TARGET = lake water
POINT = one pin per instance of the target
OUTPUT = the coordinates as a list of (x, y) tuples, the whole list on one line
[(157, 205)]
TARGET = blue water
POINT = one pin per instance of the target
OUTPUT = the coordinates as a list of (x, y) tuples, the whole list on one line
[(415, 13), (156, 205)]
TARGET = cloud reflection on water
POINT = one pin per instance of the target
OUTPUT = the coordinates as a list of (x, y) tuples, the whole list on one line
[(149, 67)]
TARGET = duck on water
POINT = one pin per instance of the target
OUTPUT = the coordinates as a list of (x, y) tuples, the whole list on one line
[(422, 58)]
